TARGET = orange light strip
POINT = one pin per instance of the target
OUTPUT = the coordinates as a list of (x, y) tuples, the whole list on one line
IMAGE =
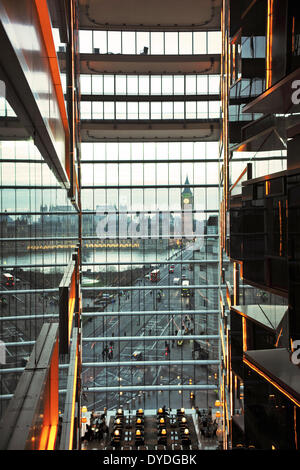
[(48, 437), (73, 402), (280, 228), (52, 437), (223, 345), (293, 35), (44, 437), (46, 29), (272, 382), (280, 333), (71, 303), (244, 324), (238, 179), (269, 45)]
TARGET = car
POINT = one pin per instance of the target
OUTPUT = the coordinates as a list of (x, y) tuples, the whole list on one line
[(183, 277), (106, 296), (137, 355), (176, 281), (147, 276)]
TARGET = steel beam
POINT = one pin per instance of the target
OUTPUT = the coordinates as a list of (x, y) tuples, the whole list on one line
[(149, 388), (192, 362), (134, 388), (200, 362), (149, 338), (109, 314), (101, 288)]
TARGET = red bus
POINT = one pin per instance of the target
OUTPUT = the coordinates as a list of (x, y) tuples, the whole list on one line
[(8, 280), (155, 275)]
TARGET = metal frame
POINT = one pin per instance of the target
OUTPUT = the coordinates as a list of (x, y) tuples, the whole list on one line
[(67, 304), (71, 417), (31, 419)]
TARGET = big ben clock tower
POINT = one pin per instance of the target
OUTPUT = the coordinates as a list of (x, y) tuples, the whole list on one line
[(187, 195), (187, 204)]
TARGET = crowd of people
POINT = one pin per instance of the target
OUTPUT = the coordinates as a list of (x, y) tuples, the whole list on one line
[(208, 427), (97, 427)]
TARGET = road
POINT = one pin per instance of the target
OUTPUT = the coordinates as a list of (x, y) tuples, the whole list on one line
[(147, 325)]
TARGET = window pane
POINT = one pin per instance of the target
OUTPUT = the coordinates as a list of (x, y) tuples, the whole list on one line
[(144, 85), (190, 85), (187, 150), (85, 110), (143, 110), (179, 110), (200, 42), (157, 43), (162, 150), (155, 85), (87, 151), (85, 84), (128, 42), (178, 84), (97, 84), (100, 41), (260, 46), (109, 85), (142, 41), (97, 110), (149, 150), (202, 85), (167, 110), (171, 43), (112, 151), (202, 110), (214, 84), (185, 43), (109, 112), (167, 85), (121, 110), (212, 150), (132, 110), (137, 150), (190, 110), (132, 85), (114, 42), (155, 110), (214, 109), (121, 85), (85, 42), (214, 42)]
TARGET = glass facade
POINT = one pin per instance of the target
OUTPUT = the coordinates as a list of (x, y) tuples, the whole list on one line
[(144, 85), (149, 235), (139, 183), (39, 231), (153, 43)]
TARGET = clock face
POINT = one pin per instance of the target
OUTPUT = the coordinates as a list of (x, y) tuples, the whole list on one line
[(186, 201)]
